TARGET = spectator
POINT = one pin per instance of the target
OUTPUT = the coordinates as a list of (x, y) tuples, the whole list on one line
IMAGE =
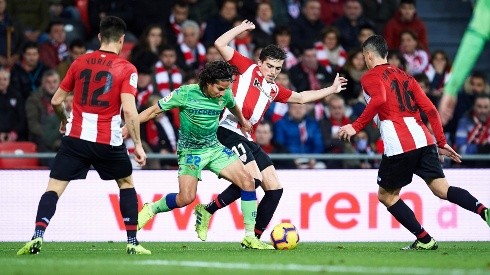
[(26, 74), (202, 10), (145, 53), (360, 146), (148, 12), (405, 19), (12, 111), (416, 57), (70, 17), (475, 85), (173, 30), (306, 29), (299, 135), (309, 74), (282, 38), (353, 70), (77, 48), (10, 32), (43, 123), (264, 25), (160, 135), (285, 11), (145, 87), (191, 54), (395, 58), (33, 15), (473, 134), (54, 50), (168, 76), (329, 52), (218, 25), (365, 31), (330, 125), (331, 11), (379, 12), (438, 72), (424, 83), (349, 24), (264, 138), (97, 10)]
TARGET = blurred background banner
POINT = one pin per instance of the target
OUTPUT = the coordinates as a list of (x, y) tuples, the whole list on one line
[(325, 205)]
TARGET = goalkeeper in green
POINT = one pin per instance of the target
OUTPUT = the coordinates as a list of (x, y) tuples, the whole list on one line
[(476, 36), (198, 147)]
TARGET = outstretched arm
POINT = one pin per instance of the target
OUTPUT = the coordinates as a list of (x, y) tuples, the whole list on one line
[(314, 95), (222, 42)]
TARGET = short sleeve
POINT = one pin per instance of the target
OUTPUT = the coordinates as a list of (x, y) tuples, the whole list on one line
[(230, 100), (283, 94), (241, 62), (130, 81), (173, 100)]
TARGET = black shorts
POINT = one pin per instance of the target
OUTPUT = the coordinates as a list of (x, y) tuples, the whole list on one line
[(246, 150), (75, 157), (397, 171)]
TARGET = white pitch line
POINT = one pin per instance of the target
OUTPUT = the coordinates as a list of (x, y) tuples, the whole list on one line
[(261, 267), (314, 268)]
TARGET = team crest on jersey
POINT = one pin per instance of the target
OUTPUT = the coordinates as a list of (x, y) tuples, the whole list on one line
[(220, 102), (133, 80)]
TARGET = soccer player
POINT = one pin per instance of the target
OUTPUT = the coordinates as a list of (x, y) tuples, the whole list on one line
[(198, 147), (101, 82), (254, 91), (394, 100)]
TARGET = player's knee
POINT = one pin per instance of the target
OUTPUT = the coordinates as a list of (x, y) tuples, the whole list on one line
[(247, 182), (186, 199)]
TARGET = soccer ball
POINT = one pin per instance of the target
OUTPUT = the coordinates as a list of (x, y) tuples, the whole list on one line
[(284, 236)]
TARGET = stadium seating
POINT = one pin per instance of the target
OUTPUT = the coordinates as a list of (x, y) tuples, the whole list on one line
[(19, 148)]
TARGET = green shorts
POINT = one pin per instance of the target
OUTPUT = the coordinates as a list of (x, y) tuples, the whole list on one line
[(193, 161)]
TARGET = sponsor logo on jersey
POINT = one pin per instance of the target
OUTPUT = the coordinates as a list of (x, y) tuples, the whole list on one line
[(133, 80), (167, 97)]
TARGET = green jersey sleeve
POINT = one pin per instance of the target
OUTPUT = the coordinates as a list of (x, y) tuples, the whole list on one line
[(229, 99), (176, 98)]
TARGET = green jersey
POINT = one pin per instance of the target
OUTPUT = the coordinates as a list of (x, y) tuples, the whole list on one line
[(199, 115)]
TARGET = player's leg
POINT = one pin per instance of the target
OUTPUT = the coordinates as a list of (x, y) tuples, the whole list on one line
[(69, 164), (430, 170), (240, 146), (394, 173)]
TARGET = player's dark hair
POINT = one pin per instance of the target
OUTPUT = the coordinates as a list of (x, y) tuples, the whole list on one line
[(216, 71), (111, 29), (273, 52), (377, 44)]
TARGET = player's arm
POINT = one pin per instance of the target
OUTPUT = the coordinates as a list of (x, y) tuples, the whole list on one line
[(131, 117), (245, 124), (222, 42), (338, 85), (376, 90), (150, 113), (58, 103)]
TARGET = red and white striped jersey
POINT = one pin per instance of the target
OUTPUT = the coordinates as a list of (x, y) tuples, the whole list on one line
[(394, 102), (97, 80), (253, 94)]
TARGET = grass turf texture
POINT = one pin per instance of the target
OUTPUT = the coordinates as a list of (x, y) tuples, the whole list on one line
[(230, 258)]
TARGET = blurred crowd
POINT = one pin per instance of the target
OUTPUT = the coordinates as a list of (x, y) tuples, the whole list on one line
[(169, 41)]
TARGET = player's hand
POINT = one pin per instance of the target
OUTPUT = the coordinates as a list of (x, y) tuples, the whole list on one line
[(246, 128), (124, 131), (446, 108), (346, 132), (63, 126), (339, 84), (247, 25), (139, 155), (449, 152)]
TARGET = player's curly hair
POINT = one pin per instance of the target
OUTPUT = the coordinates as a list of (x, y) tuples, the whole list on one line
[(216, 71)]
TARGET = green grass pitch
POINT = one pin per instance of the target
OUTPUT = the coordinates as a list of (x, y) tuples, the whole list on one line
[(230, 258)]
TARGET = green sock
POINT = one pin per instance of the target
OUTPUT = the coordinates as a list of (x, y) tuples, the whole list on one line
[(160, 206), (249, 210)]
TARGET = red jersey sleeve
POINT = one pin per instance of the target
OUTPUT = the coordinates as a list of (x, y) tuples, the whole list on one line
[(424, 103), (283, 94), (373, 86), (130, 80), (68, 83), (241, 62)]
